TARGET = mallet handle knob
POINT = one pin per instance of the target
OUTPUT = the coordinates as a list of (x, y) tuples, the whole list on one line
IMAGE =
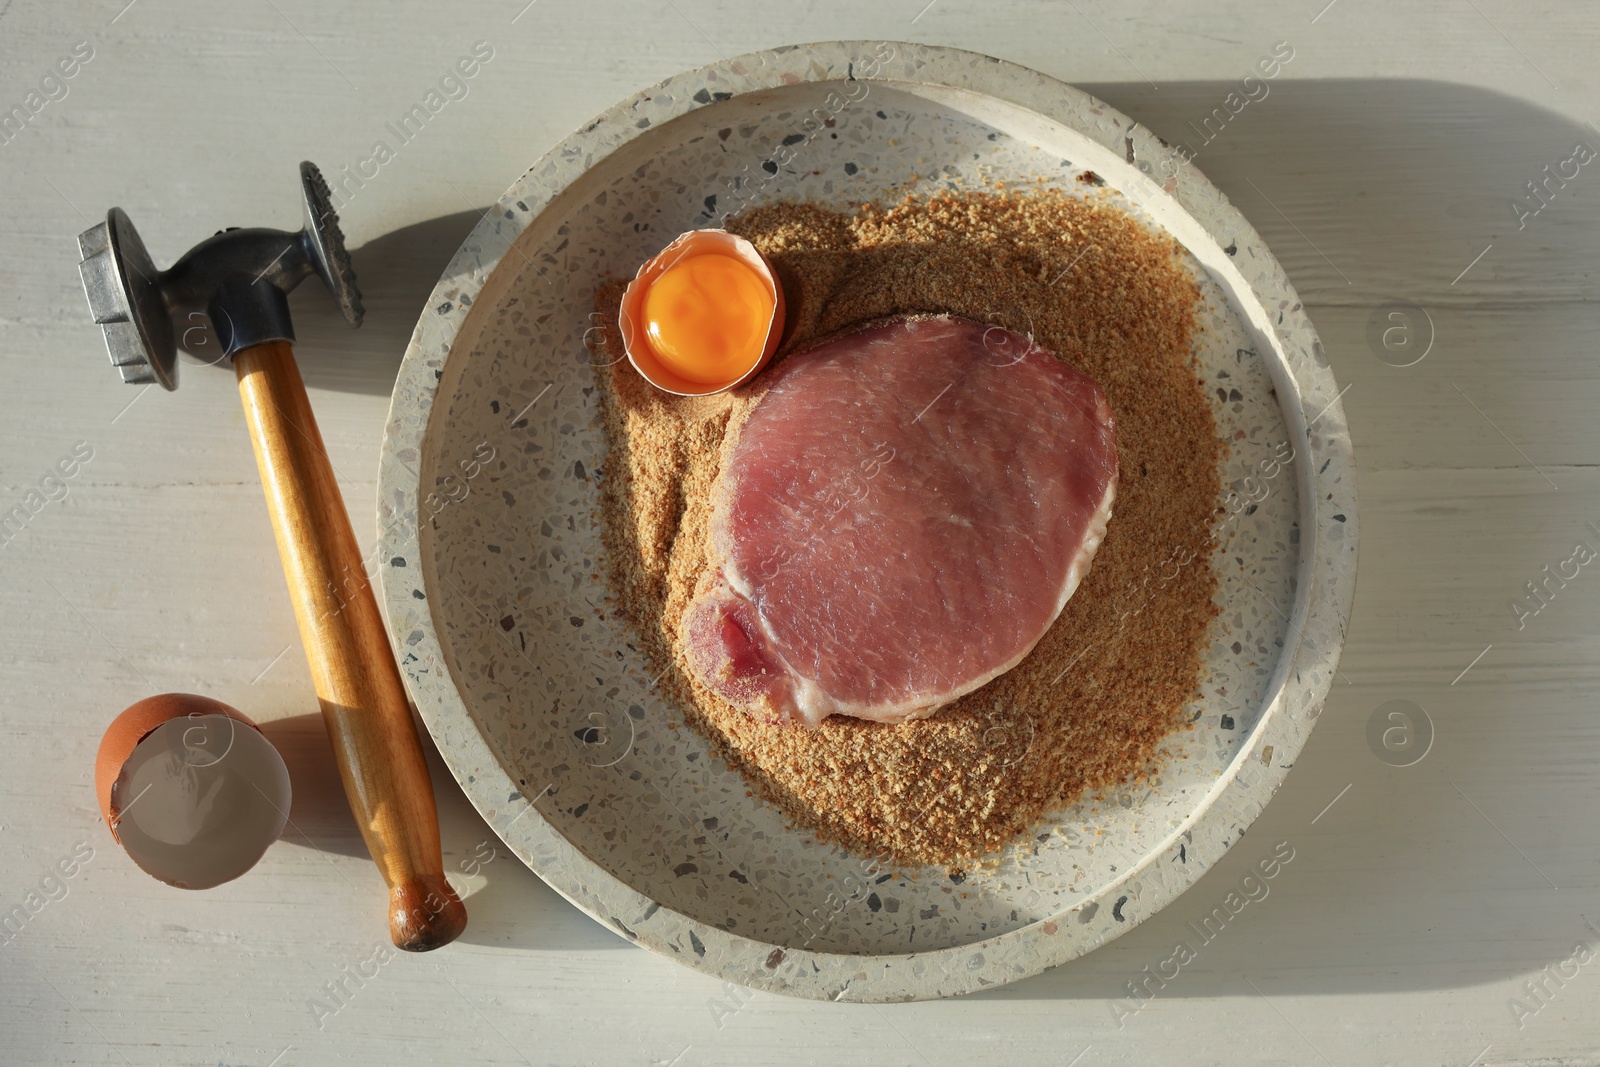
[(352, 666)]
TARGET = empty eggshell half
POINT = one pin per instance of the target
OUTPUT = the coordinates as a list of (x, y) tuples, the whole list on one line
[(191, 789), (631, 319)]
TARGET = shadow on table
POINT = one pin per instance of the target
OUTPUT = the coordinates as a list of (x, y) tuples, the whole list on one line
[(1389, 189), (507, 904), (1367, 192)]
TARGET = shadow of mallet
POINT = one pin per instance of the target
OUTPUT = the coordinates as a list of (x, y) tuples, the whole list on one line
[(239, 281)]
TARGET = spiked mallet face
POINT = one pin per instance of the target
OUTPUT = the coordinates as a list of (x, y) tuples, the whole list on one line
[(240, 280)]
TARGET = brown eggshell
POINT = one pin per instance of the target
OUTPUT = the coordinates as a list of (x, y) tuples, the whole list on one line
[(631, 317), (133, 726)]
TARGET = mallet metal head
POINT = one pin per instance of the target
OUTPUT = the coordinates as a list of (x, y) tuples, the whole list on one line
[(238, 279)]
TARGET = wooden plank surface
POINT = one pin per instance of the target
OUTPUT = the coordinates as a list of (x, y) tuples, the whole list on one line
[(1383, 161)]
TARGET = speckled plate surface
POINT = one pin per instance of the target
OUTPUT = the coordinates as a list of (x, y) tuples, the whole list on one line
[(546, 712)]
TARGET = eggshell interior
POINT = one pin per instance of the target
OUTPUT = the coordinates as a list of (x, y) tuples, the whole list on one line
[(133, 725), (631, 319), (191, 789)]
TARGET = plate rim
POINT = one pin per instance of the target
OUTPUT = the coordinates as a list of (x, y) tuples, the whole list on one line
[(1325, 571)]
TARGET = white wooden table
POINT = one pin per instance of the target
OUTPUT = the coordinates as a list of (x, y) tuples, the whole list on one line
[(1380, 167)]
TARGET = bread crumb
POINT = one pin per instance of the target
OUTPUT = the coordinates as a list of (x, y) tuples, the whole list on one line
[(1090, 706)]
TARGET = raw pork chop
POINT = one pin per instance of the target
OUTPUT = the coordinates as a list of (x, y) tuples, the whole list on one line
[(902, 516)]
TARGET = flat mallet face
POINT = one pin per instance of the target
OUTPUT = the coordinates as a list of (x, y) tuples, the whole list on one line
[(239, 281)]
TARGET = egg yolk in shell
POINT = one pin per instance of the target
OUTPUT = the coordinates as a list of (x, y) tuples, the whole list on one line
[(707, 317)]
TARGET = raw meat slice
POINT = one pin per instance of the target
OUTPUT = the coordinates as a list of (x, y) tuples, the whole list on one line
[(901, 518)]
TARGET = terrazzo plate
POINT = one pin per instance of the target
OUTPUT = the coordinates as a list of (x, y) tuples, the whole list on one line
[(546, 712)]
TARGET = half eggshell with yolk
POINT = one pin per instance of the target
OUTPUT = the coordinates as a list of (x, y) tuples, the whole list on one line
[(633, 320)]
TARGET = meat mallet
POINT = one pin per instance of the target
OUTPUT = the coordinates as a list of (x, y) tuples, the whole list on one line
[(238, 282)]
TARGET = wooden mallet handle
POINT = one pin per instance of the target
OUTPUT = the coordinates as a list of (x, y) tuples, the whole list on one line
[(352, 666)]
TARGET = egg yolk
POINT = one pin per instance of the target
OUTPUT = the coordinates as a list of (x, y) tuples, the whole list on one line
[(707, 317)]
